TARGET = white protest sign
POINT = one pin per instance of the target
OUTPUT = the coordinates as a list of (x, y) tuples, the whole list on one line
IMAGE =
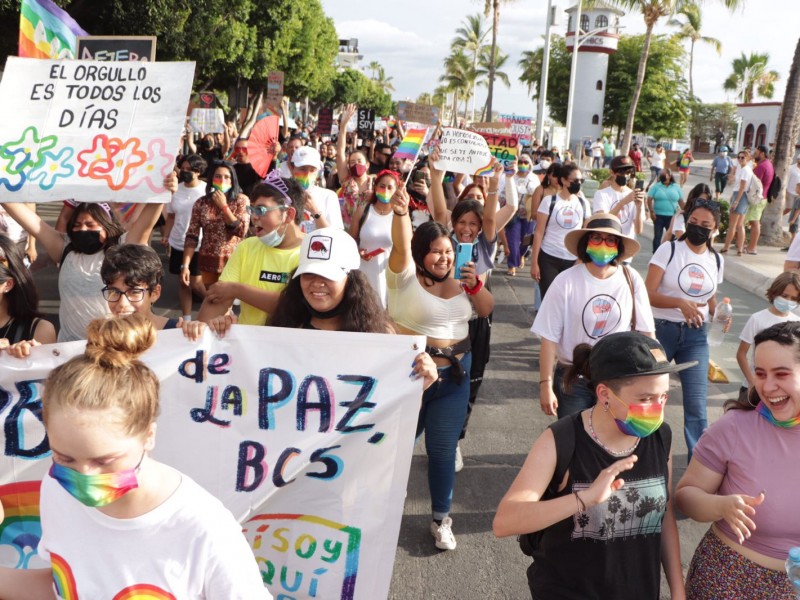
[(91, 130), (308, 442), (463, 152), (207, 120)]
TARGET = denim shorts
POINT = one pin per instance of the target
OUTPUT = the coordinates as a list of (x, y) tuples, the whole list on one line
[(741, 208)]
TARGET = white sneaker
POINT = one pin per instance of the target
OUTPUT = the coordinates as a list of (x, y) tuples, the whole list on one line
[(459, 459), (443, 534)]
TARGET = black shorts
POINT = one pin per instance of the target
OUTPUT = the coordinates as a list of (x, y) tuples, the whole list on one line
[(176, 260)]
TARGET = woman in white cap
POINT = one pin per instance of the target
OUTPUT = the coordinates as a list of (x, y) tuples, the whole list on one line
[(592, 504), (602, 295)]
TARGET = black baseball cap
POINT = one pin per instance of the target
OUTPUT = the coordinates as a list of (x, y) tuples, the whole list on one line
[(763, 149), (630, 354), (621, 163)]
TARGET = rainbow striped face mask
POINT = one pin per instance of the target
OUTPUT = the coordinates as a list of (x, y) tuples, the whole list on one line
[(383, 197), (600, 253), (305, 181), (642, 419), (765, 412), (96, 490)]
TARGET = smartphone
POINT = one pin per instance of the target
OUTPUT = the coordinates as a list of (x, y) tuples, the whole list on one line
[(639, 185), (418, 176), (463, 256)]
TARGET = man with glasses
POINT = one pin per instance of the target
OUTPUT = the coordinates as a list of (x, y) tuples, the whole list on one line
[(381, 155), (619, 199)]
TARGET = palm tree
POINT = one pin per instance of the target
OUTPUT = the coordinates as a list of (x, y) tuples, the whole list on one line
[(470, 38), (690, 30), (383, 82), (652, 11), (492, 6), (531, 65), (424, 98), (374, 66), (482, 73), (750, 77), (458, 76)]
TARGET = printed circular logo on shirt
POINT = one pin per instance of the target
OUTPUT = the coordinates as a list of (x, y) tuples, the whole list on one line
[(695, 281), (568, 217), (601, 315)]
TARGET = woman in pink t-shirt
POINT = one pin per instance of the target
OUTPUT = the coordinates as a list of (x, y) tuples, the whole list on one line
[(743, 477)]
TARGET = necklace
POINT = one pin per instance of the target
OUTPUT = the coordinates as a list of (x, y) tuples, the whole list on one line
[(603, 446)]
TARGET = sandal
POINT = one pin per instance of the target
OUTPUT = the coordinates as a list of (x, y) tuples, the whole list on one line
[(723, 251), (739, 252), (752, 252)]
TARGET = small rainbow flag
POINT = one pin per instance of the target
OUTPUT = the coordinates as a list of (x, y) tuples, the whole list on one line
[(485, 171), (46, 31), (412, 142)]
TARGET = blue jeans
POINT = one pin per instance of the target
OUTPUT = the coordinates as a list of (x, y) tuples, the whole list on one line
[(515, 231), (685, 344), (660, 225), (578, 398), (441, 417)]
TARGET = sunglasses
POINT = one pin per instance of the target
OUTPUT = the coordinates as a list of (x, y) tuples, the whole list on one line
[(711, 205), (741, 157), (260, 211), (611, 241)]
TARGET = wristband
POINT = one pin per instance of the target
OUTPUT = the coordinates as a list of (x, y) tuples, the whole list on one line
[(580, 503), (544, 381), (474, 290), (400, 214), (490, 193)]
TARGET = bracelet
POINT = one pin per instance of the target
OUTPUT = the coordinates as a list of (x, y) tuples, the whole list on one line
[(579, 502), (490, 193), (400, 214), (541, 381), (474, 290)]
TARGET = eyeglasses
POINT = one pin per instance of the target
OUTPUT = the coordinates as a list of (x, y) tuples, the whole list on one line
[(260, 211), (133, 294), (741, 157), (611, 241)]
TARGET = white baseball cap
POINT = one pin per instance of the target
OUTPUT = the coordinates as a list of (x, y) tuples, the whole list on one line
[(306, 156), (328, 252)]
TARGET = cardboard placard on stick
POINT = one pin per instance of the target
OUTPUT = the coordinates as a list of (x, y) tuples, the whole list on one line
[(503, 147), (325, 121), (275, 88), (463, 151), (365, 123), (117, 47), (424, 114), (493, 127)]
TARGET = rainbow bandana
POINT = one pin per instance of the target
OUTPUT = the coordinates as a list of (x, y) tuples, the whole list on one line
[(305, 181), (96, 490), (383, 198), (222, 187), (767, 414), (601, 254), (642, 419)]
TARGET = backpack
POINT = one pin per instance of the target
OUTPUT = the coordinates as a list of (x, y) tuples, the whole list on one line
[(672, 253), (584, 205), (774, 188), (755, 190)]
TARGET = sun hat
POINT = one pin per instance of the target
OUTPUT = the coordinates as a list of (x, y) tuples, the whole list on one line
[(329, 252), (602, 223)]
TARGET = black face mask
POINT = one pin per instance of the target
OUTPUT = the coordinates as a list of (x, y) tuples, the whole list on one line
[(185, 176), (85, 242), (621, 180), (663, 180), (208, 144), (574, 187), (696, 235)]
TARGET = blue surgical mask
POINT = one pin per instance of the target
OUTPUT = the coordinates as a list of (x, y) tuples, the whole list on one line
[(783, 305)]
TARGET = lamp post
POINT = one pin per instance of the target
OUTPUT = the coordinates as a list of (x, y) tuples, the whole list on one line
[(545, 71)]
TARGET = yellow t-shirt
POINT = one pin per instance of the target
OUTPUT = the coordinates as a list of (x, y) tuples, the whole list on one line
[(262, 267)]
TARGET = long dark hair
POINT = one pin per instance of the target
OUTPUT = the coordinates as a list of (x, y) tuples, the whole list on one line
[(23, 298), (105, 218), (373, 199), (786, 334), (693, 204), (464, 207), (421, 242), (363, 312)]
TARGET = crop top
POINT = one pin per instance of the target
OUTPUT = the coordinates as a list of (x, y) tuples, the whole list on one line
[(416, 309)]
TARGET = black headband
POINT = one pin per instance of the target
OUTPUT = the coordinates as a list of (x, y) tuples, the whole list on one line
[(598, 223)]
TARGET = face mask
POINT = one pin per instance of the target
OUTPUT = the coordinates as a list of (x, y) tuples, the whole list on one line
[(696, 235), (545, 164), (357, 170), (273, 239), (96, 490), (723, 154), (642, 419), (85, 242), (663, 180), (185, 176), (601, 254), (621, 180), (222, 187), (523, 169), (767, 414), (305, 181), (383, 197), (209, 144), (783, 305), (574, 187)]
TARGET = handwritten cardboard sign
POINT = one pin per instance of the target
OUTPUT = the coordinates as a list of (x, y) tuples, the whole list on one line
[(424, 114), (90, 130), (366, 123), (520, 125), (463, 151), (275, 88), (117, 47), (288, 438), (325, 121), (493, 127), (504, 148), (207, 120)]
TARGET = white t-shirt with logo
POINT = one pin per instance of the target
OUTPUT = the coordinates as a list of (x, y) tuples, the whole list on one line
[(607, 198), (566, 216), (757, 323), (181, 206), (580, 308), (328, 205), (690, 276)]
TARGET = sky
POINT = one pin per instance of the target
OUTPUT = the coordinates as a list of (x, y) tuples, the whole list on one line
[(410, 39)]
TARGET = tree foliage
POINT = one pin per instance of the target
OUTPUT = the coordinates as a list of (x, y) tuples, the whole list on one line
[(353, 87), (557, 76), (706, 119), (751, 76)]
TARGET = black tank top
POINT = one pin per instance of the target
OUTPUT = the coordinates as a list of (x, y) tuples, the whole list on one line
[(613, 550), (17, 330)]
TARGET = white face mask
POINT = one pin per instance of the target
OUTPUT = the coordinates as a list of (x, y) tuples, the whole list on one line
[(783, 305), (545, 164), (273, 239)]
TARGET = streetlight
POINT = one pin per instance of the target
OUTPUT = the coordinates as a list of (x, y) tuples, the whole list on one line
[(551, 20)]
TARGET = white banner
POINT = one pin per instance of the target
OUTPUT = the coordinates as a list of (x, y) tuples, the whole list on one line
[(305, 436), (207, 120), (463, 151), (91, 130)]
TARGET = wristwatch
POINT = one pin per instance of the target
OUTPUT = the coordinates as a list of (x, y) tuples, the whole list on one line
[(316, 216)]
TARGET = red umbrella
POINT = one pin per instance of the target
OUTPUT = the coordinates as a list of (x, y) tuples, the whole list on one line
[(261, 143)]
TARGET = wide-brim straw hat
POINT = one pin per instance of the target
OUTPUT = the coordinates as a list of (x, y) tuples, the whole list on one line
[(602, 223)]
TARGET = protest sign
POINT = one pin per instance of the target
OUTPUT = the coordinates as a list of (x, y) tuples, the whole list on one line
[(325, 121), (499, 128), (94, 131), (366, 123), (520, 125), (503, 147), (275, 88), (463, 152), (288, 438), (119, 48), (424, 114), (206, 100), (207, 120)]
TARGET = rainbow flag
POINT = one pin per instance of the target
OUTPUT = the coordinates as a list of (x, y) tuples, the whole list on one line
[(412, 142), (46, 31)]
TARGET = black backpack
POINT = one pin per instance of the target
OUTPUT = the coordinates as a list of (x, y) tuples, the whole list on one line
[(774, 188)]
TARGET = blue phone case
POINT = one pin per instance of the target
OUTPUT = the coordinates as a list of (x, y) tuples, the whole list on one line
[(463, 256)]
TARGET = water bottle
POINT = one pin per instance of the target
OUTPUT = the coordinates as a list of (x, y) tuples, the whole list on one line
[(722, 317), (793, 569)]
